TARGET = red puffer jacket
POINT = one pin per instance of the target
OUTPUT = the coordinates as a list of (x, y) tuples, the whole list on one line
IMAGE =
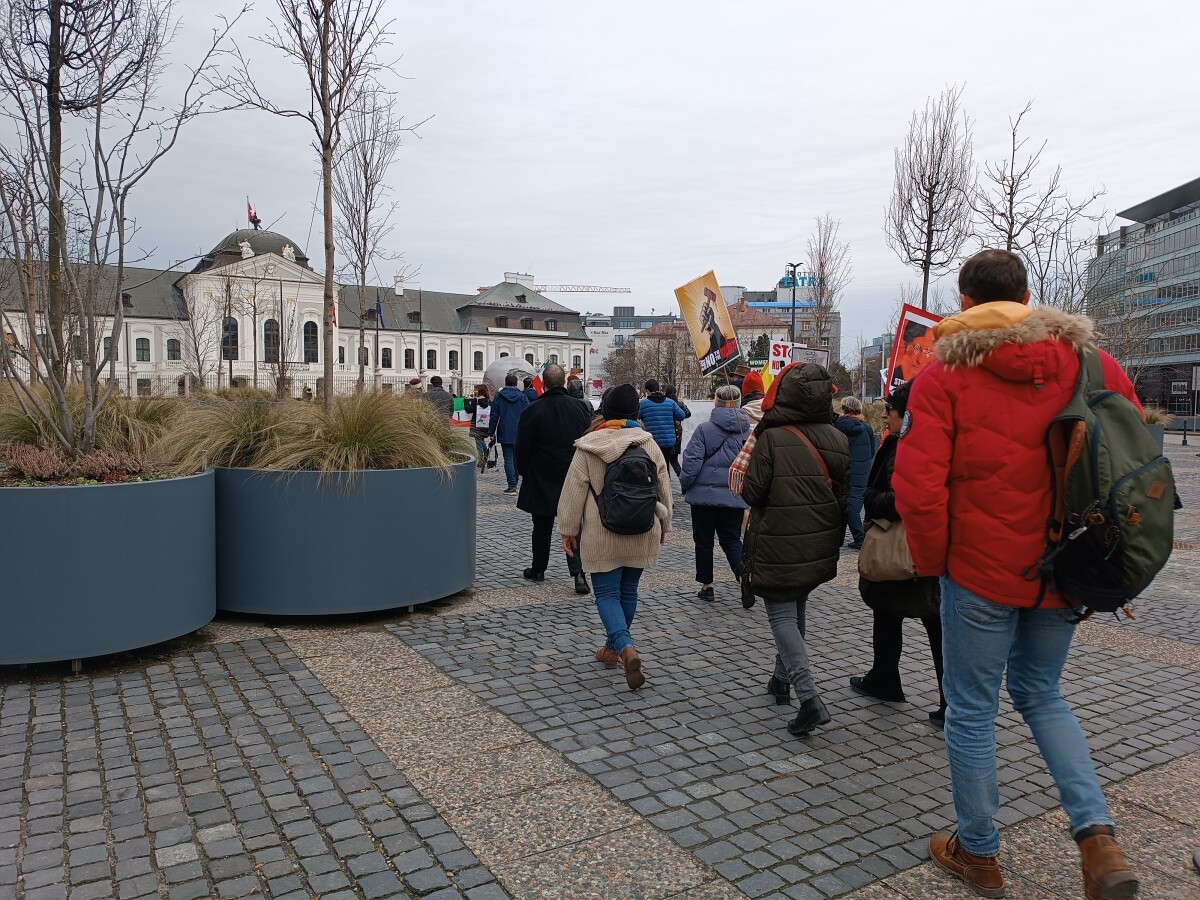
[(972, 478)]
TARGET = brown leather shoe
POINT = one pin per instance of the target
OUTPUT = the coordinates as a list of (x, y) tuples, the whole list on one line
[(981, 873), (633, 668), (1106, 875), (608, 657)]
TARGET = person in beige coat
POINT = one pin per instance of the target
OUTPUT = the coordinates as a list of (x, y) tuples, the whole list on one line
[(615, 561)]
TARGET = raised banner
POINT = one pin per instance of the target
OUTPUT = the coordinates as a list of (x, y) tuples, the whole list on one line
[(913, 349), (707, 318), (783, 353)]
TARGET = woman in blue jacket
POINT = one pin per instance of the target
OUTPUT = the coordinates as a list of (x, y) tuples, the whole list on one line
[(705, 482)]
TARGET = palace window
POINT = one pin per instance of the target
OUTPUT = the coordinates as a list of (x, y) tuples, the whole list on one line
[(431, 359), (142, 350), (229, 339), (478, 360), (410, 359), (271, 341), (501, 321), (385, 356), (174, 350), (527, 324), (310, 342), (341, 355), (113, 352), (552, 325), (452, 360)]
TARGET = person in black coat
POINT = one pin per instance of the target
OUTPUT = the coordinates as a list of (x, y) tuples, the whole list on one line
[(546, 435), (894, 601)]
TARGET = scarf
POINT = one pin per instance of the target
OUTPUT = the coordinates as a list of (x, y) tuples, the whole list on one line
[(621, 423), (741, 465)]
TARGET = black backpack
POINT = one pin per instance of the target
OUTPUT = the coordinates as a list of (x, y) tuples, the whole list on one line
[(629, 498)]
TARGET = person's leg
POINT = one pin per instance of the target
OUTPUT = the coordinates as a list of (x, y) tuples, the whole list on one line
[(854, 511), (887, 641), (607, 588), (791, 656), (481, 448), (575, 563), (675, 461), (729, 533), (629, 593), (1035, 665), (933, 627), (543, 530), (510, 463), (977, 636), (703, 527)]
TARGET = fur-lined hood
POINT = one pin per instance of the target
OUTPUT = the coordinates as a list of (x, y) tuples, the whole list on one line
[(981, 332)]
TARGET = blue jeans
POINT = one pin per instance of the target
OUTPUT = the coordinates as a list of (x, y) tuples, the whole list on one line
[(979, 638), (510, 463), (854, 510), (616, 601)]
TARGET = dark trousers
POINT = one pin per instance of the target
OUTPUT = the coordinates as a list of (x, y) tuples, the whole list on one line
[(887, 636), (726, 523), (543, 534)]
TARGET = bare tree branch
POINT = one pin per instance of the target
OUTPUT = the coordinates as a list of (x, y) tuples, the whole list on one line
[(829, 261)]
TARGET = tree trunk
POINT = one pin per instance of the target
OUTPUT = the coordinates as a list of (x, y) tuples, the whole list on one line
[(56, 231), (327, 139), (362, 336)]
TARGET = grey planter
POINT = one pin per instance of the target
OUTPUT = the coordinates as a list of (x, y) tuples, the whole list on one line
[(1157, 432), (290, 544), (98, 569)]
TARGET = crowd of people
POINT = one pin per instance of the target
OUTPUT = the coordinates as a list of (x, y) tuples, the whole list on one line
[(776, 477)]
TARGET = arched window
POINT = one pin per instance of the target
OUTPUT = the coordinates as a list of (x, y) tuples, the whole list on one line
[(552, 325), (529, 358), (478, 360), (229, 339), (527, 324), (385, 356), (271, 341), (174, 349), (341, 355), (310, 342), (554, 358), (501, 321), (577, 362), (431, 359), (502, 355), (114, 351), (364, 356), (410, 359), (452, 359), (141, 348)]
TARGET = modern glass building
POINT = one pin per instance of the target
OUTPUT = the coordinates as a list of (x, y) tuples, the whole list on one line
[(1144, 290)]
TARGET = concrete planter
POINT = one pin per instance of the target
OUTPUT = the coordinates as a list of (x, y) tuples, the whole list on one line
[(396, 537), (94, 569), (1157, 432)]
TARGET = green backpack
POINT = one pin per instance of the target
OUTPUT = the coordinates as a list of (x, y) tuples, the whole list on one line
[(1112, 526)]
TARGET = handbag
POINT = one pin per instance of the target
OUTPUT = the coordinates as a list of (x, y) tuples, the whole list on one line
[(493, 456), (884, 555)]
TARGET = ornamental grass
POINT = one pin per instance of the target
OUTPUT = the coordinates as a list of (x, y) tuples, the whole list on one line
[(123, 425)]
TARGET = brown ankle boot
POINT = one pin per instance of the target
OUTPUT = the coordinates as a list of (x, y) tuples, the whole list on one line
[(1106, 875), (608, 657), (981, 873), (633, 668)]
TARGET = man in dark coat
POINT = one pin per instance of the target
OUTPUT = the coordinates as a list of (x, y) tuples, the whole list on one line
[(440, 397), (546, 435), (863, 443)]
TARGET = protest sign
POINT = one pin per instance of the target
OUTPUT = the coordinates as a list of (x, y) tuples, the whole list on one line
[(708, 322), (913, 349)]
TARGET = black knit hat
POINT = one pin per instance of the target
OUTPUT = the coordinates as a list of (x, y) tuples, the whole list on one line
[(620, 402), (898, 398)]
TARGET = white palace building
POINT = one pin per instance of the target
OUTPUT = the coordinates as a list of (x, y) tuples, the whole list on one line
[(250, 311)]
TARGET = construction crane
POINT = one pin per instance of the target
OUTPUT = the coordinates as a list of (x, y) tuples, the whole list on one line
[(579, 289)]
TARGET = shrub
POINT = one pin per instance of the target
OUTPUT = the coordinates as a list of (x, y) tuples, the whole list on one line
[(52, 464)]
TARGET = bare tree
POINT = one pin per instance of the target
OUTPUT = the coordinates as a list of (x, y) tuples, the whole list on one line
[(929, 216), (829, 261), (65, 194), (363, 220), (199, 330), (337, 45)]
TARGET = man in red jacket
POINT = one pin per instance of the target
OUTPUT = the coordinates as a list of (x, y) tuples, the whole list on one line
[(973, 487)]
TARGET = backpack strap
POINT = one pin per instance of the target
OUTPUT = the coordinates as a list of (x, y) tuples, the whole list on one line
[(813, 450)]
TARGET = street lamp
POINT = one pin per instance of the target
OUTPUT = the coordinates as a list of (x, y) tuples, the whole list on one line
[(792, 267)]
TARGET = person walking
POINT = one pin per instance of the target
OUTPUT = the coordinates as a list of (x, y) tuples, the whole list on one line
[(414, 387), (530, 391), (481, 416), (796, 482), (658, 414), (670, 393), (502, 429), (615, 561), (440, 397), (891, 602), (863, 443), (704, 478), (974, 489), (546, 435)]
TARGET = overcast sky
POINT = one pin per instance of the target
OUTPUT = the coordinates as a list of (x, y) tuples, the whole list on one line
[(639, 144)]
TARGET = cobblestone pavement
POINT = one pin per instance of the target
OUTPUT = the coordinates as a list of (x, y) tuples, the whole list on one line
[(475, 749)]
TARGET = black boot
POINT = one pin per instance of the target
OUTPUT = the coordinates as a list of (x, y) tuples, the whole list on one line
[(534, 576), (812, 713), (780, 690), (581, 585), (866, 687)]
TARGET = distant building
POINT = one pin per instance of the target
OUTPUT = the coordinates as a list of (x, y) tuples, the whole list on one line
[(778, 303), (875, 360), (1144, 291), (609, 332)]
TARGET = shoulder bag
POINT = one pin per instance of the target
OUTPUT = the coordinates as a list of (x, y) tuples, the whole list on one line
[(884, 555)]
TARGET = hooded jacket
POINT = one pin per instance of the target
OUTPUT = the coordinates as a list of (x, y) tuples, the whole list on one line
[(658, 414), (972, 479), (578, 514), (863, 442), (704, 475), (797, 520), (506, 413), (442, 399)]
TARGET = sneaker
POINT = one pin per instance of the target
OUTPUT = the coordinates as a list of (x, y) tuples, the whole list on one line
[(855, 545), (707, 593), (981, 873), (812, 713), (512, 489), (534, 576)]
